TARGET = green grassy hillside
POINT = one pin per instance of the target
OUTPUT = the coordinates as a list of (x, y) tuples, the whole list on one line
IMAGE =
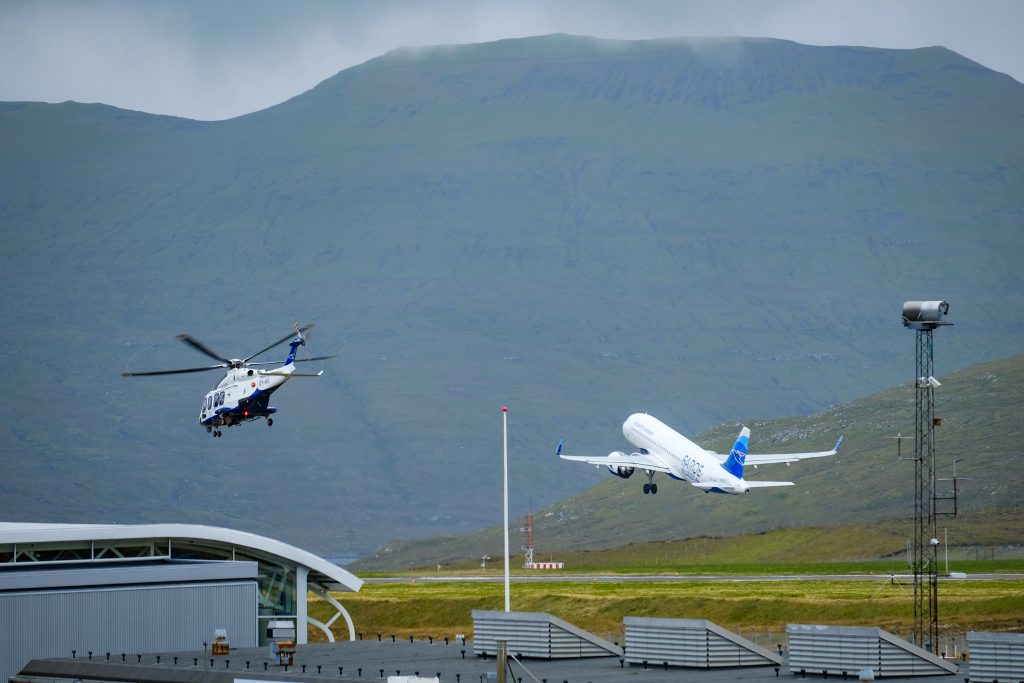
[(864, 483), (422, 609), (575, 228)]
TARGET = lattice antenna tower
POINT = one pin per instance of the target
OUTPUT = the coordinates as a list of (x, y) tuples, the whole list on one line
[(527, 530), (924, 317)]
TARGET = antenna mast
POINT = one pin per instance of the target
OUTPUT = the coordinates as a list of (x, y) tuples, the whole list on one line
[(924, 317), (528, 540)]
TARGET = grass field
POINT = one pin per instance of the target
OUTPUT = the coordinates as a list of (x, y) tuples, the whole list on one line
[(750, 607), (983, 543)]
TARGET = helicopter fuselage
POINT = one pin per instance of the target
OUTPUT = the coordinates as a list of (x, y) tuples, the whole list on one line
[(243, 395)]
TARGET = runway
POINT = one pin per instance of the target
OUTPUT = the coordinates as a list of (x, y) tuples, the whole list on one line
[(683, 578)]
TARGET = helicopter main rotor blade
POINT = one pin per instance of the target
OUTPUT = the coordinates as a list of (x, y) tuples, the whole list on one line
[(297, 360), (282, 340), (171, 372), (294, 374), (201, 348)]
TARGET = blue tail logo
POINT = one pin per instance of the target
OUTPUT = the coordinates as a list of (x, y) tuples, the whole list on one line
[(737, 456), (294, 344)]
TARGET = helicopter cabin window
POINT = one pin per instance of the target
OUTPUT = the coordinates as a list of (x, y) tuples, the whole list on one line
[(209, 402)]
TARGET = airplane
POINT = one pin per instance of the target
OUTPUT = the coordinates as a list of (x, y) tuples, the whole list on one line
[(244, 393), (663, 449)]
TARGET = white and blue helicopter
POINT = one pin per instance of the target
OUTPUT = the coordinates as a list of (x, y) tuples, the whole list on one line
[(244, 393)]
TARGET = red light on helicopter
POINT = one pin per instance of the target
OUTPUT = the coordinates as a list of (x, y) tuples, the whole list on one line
[(246, 413), (254, 385)]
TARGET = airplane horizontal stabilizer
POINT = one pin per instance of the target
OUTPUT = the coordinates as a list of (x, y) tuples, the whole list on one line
[(766, 484)]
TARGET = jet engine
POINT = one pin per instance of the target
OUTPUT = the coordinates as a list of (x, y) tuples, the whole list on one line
[(620, 470)]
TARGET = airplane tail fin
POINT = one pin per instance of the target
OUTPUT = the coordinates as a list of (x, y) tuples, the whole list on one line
[(737, 456)]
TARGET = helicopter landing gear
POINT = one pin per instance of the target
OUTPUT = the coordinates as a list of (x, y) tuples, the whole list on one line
[(270, 422), (217, 432)]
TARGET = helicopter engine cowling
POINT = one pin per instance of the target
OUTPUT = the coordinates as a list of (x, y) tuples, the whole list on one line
[(622, 471)]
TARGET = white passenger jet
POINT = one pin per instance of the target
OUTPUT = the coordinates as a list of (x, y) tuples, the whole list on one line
[(663, 449)]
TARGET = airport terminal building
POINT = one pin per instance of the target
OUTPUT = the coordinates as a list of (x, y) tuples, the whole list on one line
[(94, 589)]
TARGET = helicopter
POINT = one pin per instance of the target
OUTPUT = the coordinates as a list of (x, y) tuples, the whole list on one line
[(244, 393)]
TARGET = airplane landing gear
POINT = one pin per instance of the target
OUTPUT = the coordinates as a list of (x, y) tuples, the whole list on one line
[(650, 486)]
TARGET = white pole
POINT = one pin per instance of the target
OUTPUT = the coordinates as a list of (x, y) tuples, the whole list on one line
[(504, 429)]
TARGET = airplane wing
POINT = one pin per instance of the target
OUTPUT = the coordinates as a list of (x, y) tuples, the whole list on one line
[(753, 459), (645, 461)]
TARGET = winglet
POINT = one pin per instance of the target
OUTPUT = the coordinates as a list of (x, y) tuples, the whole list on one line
[(836, 449), (558, 451)]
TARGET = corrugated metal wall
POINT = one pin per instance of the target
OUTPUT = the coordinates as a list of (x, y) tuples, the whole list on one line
[(136, 619), (565, 645), (522, 638), (690, 643), (836, 649), (535, 634), (996, 656)]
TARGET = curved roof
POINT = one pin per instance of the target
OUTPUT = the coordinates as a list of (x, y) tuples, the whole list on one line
[(320, 570)]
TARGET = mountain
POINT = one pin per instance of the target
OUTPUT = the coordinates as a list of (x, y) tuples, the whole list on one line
[(866, 482), (576, 228)]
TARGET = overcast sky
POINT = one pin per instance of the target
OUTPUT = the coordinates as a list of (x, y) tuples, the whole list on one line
[(215, 59)]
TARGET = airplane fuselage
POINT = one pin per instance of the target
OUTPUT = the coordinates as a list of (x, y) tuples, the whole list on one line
[(686, 460), (663, 449)]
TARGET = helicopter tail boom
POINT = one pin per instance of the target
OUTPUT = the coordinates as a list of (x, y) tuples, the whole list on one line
[(294, 344)]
